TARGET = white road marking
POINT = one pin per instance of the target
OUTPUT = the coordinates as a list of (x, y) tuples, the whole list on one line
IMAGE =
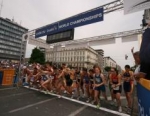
[(31, 105), (16, 94), (88, 104), (77, 111), (7, 88)]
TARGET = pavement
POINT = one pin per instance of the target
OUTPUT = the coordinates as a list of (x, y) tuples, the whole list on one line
[(23, 101)]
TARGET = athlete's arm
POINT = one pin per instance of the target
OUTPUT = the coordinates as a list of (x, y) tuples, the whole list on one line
[(119, 81), (61, 74)]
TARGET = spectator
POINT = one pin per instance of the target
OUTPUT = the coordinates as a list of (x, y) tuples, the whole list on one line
[(145, 51)]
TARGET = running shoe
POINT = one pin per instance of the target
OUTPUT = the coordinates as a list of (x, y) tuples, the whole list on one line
[(46, 92), (129, 111), (83, 96), (98, 105), (65, 91), (120, 109), (59, 96), (78, 98), (93, 102), (72, 97), (88, 100)]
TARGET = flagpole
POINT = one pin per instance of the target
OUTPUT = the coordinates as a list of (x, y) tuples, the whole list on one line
[(19, 76)]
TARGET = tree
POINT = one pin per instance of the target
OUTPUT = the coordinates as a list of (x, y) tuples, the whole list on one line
[(107, 68), (37, 56)]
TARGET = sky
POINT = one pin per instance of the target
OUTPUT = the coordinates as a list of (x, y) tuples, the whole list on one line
[(37, 13)]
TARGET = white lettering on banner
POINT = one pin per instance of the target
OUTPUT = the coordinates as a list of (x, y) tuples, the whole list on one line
[(80, 20), (64, 25), (41, 32), (142, 110)]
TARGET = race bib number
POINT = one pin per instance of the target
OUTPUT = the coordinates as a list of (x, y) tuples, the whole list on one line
[(98, 80), (116, 88)]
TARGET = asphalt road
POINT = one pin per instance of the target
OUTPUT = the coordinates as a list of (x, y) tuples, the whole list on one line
[(27, 102)]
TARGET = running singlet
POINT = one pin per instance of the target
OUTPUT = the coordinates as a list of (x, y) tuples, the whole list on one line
[(98, 79), (78, 76), (86, 79), (68, 80), (127, 84), (91, 79), (44, 77), (115, 81), (126, 74), (67, 77)]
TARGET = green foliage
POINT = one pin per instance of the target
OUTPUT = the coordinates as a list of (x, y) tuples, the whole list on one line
[(37, 56), (107, 68)]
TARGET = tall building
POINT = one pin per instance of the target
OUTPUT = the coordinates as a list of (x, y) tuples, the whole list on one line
[(10, 40), (100, 57), (108, 61), (76, 57), (119, 68)]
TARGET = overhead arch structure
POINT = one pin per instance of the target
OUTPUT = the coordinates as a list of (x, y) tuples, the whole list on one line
[(92, 41)]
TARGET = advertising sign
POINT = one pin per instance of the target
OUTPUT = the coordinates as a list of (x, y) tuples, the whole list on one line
[(85, 18), (143, 100), (61, 36)]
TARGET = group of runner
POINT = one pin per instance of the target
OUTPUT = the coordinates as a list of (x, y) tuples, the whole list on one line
[(85, 83)]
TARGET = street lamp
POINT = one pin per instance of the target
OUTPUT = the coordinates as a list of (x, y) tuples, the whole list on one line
[(63, 46), (52, 47)]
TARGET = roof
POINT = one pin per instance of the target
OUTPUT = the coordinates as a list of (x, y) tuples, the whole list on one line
[(110, 58), (14, 23)]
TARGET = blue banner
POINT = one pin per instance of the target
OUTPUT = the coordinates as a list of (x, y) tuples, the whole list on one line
[(85, 18), (143, 100)]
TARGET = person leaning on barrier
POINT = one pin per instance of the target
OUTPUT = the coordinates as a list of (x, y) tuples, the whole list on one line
[(137, 74), (145, 51)]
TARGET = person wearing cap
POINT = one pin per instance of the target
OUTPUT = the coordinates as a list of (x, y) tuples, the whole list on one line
[(145, 51)]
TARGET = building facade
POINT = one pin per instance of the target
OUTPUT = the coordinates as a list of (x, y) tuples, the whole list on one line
[(10, 40), (108, 61), (119, 68), (76, 57), (100, 57)]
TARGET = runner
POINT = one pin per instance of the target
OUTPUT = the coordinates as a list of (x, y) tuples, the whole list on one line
[(67, 80), (74, 84), (127, 77), (82, 84), (45, 78), (99, 81), (60, 82), (86, 82), (79, 82), (115, 81), (111, 89), (91, 73), (27, 73), (137, 73)]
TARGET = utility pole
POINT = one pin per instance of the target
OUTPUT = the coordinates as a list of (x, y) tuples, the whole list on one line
[(1, 6)]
